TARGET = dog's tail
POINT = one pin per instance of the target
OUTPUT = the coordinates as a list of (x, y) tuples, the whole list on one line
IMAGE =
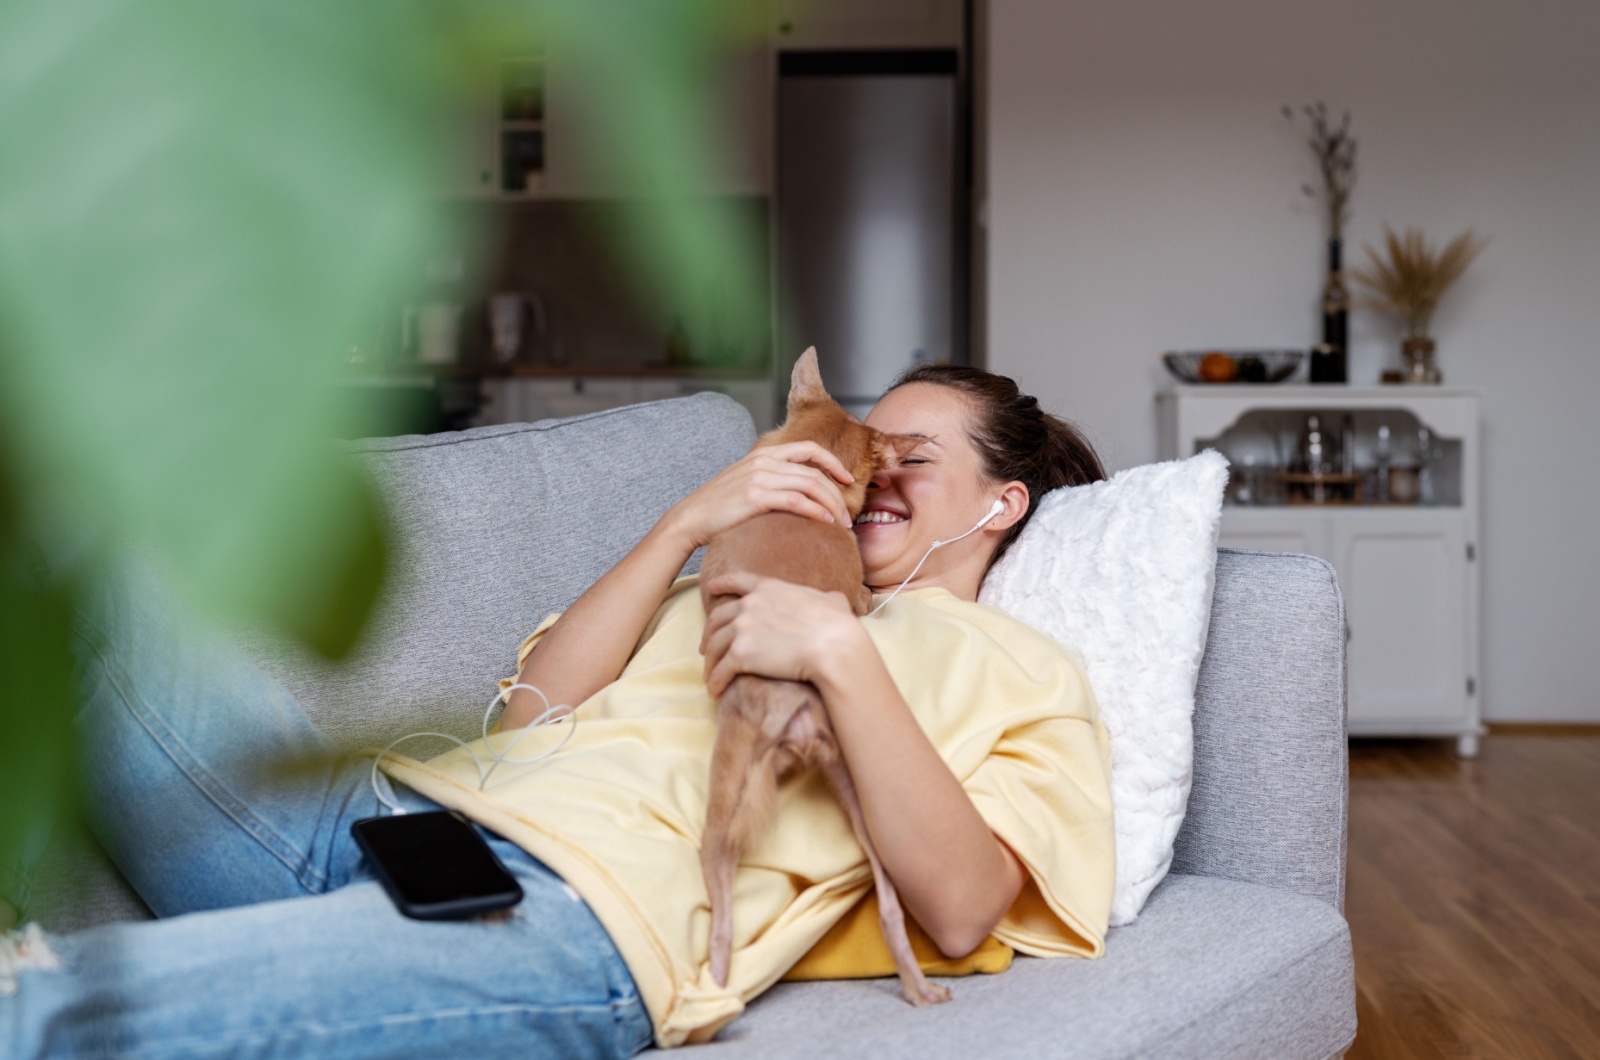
[(742, 798)]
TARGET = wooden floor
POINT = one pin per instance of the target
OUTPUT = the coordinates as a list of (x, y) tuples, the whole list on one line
[(1474, 897)]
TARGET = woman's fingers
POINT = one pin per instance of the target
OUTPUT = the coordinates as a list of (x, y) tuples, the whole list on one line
[(768, 479), (734, 583), (808, 482), (717, 617), (720, 677), (770, 486), (814, 454), (715, 650), (767, 626)]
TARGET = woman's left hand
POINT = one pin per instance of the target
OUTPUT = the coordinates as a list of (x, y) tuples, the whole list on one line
[(771, 628)]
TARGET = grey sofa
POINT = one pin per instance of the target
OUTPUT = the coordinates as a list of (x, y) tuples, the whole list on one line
[(1241, 952)]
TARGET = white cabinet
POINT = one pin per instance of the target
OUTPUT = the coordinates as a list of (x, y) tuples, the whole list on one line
[(1409, 573), (1266, 530), (1404, 577)]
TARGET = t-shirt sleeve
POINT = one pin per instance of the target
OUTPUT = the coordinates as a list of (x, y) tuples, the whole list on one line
[(527, 646), (1043, 791)]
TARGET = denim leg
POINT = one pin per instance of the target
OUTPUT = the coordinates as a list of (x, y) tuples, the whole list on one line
[(340, 975), (207, 783)]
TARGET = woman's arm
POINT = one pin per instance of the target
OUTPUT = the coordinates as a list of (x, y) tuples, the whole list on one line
[(592, 641), (954, 875)]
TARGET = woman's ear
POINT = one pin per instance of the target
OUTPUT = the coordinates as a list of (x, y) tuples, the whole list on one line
[(1014, 505)]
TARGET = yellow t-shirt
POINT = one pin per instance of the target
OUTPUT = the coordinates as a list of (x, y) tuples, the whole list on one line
[(618, 811)]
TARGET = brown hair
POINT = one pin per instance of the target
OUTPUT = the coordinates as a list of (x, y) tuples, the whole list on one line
[(1016, 439)]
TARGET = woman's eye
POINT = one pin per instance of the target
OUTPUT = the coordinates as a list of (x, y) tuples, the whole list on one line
[(913, 460)]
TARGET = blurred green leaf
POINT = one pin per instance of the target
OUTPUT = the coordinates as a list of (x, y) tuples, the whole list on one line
[(202, 204), (36, 708)]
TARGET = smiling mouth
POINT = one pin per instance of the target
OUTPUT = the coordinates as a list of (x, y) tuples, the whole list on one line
[(878, 518)]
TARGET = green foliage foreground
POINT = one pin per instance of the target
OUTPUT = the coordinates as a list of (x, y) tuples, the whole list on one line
[(203, 203)]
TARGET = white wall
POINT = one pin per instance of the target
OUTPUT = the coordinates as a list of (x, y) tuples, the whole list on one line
[(1143, 195)]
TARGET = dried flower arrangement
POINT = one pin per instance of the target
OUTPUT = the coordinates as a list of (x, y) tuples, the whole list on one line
[(1411, 276), (1335, 151)]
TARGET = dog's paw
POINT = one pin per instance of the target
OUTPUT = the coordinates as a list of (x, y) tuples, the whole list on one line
[(925, 993)]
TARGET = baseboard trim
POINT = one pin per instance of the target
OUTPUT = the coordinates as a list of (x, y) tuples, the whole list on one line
[(1543, 728)]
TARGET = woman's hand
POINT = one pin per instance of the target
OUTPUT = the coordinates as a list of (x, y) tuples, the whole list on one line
[(772, 628), (798, 477)]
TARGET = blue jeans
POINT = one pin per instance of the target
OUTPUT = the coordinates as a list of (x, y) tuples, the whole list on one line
[(280, 943)]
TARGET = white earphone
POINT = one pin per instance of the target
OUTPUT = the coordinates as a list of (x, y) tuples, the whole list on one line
[(994, 509)]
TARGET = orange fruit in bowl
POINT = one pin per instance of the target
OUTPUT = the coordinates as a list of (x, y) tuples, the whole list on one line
[(1217, 367)]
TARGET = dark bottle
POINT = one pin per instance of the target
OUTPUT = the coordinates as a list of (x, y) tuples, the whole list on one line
[(679, 352), (1329, 360)]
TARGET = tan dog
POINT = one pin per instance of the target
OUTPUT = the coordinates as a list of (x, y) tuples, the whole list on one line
[(768, 729)]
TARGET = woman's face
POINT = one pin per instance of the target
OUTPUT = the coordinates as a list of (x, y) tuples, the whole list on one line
[(936, 494)]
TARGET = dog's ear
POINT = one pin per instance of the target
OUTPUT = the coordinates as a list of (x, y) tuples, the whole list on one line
[(891, 449), (805, 383)]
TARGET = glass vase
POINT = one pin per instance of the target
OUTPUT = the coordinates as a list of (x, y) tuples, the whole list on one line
[(1417, 354)]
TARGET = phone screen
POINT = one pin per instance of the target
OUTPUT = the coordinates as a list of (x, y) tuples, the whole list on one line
[(436, 865)]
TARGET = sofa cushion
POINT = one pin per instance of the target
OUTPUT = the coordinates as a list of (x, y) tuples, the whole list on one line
[(495, 528), (76, 886), (1211, 968)]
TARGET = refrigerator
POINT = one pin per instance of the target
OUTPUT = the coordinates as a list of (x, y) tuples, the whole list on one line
[(871, 210)]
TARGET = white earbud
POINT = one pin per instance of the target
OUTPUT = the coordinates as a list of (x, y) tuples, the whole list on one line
[(994, 509)]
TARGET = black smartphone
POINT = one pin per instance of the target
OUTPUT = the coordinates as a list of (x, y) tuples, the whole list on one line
[(435, 865)]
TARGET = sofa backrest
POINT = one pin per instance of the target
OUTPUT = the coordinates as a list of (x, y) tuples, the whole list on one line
[(495, 528), (1271, 786), (499, 526)]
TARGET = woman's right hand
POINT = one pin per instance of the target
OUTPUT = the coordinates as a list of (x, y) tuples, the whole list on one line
[(798, 477)]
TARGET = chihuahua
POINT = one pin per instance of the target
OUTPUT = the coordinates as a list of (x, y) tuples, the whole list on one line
[(768, 729)]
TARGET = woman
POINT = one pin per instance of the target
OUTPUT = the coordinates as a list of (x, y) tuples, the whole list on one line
[(194, 827)]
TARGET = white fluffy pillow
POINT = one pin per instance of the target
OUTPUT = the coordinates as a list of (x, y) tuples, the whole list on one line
[(1120, 574)]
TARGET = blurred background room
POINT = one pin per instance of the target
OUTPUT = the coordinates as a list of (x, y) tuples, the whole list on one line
[(1354, 245), (1063, 192)]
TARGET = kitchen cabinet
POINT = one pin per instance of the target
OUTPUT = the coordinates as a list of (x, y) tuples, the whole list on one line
[(1404, 575), (1408, 572), (826, 24), (517, 399), (524, 130)]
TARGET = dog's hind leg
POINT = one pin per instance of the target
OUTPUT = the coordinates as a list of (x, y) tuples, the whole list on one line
[(740, 797), (916, 987)]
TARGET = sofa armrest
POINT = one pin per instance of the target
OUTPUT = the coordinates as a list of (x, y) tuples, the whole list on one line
[(1271, 769)]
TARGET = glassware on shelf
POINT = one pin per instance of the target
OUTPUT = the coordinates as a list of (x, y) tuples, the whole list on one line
[(1426, 454), (1337, 456), (1381, 455), (1246, 483), (1319, 475)]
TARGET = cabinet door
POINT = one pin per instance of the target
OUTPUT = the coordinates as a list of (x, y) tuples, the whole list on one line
[(471, 165), (754, 394), (1275, 530), (578, 397), (1404, 580), (529, 400)]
